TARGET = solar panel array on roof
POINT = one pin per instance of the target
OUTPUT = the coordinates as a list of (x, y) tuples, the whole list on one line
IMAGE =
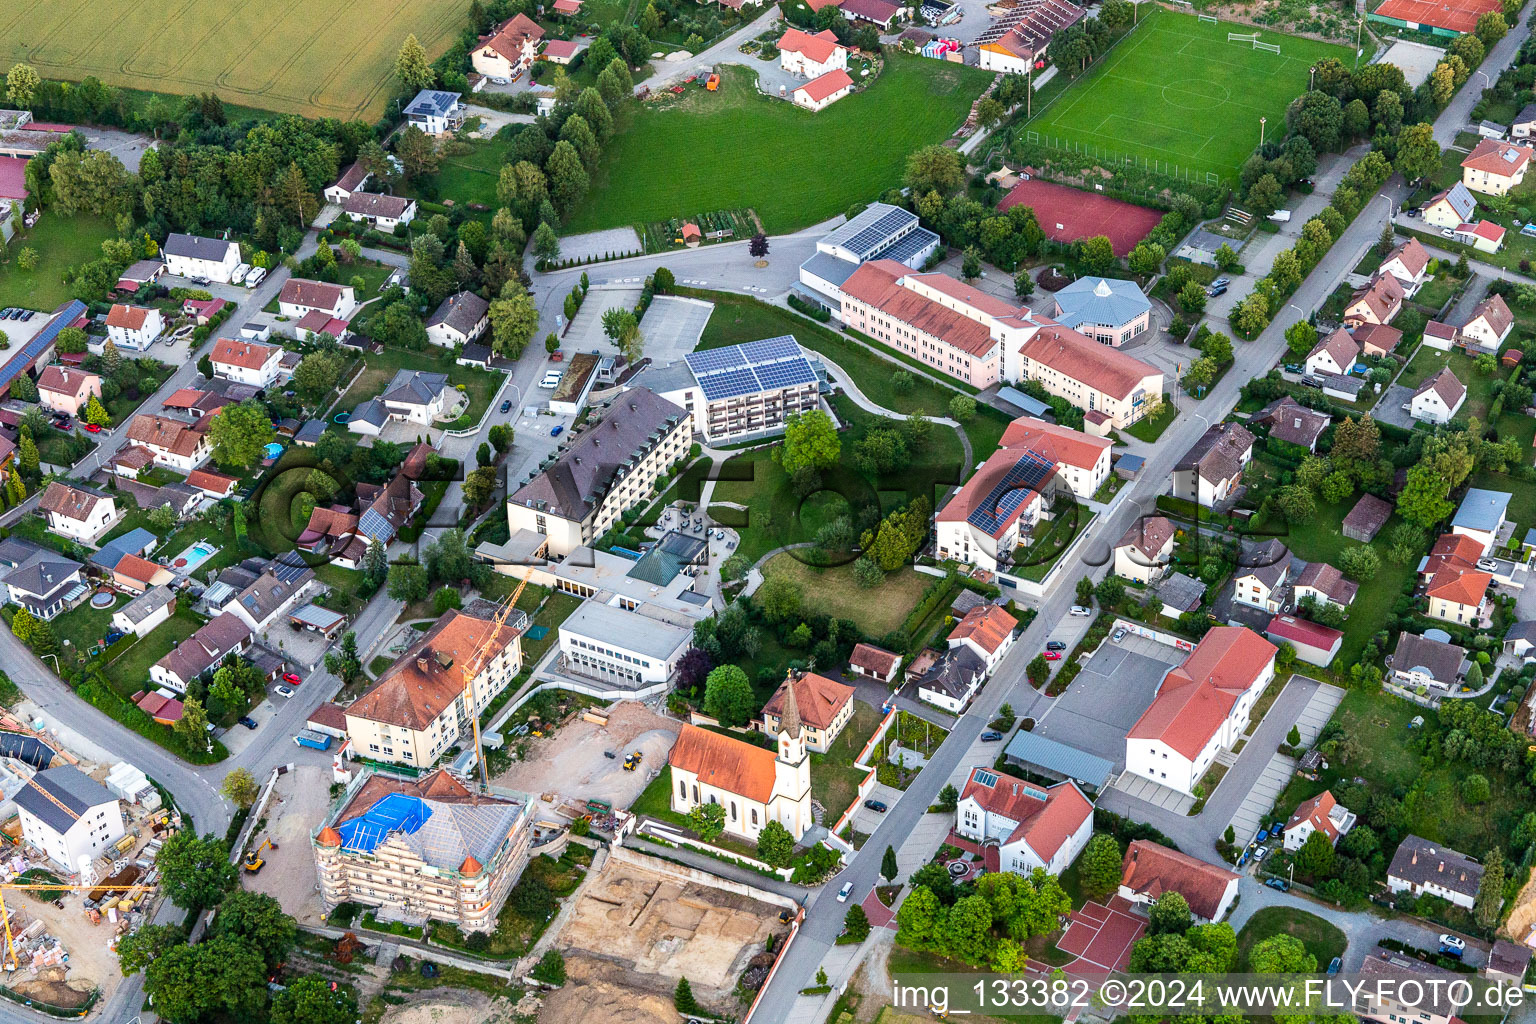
[(907, 246), (375, 526), (729, 384), (286, 571), (872, 237), (1024, 478), (766, 365)]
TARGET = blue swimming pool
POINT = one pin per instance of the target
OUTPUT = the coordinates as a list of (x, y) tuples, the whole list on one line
[(193, 556)]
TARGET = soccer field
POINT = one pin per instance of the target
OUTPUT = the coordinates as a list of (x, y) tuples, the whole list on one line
[(1177, 91), (324, 58)]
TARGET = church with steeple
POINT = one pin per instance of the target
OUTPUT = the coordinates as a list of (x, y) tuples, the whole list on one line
[(754, 785)]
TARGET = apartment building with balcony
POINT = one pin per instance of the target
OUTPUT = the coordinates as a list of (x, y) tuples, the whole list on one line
[(740, 391)]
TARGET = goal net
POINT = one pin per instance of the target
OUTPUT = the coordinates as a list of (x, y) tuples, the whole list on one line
[(1270, 47), (1242, 37), (1207, 17)]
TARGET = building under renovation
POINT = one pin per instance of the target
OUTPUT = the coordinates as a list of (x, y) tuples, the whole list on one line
[(423, 849)]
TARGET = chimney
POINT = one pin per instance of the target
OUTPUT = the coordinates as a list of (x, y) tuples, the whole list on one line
[(421, 663), (1415, 858)]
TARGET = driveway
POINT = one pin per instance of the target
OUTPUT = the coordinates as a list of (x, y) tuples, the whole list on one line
[(1390, 408), (672, 327), (1261, 796), (586, 331)]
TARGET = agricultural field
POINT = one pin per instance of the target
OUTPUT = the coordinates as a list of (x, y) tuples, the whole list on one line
[(1177, 91), (794, 167), (323, 58)]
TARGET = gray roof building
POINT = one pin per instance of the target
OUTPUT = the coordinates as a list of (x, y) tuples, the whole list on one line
[(137, 541), (59, 797), (1180, 592), (1435, 658), (636, 633), (415, 387), (1420, 862), (146, 604), (462, 312), (1100, 300), (196, 247), (1218, 454), (955, 673), (43, 579)]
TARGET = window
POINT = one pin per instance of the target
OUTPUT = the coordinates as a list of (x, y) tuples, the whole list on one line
[(682, 790), (754, 815)]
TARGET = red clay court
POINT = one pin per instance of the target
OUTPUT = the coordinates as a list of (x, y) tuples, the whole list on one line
[(1067, 214), (1453, 15), (1101, 937)]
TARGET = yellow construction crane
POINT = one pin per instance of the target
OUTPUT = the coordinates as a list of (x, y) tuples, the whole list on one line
[(8, 961), (477, 661)]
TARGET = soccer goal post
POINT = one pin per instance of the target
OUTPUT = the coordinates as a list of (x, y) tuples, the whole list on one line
[(1242, 37), (1207, 17), (1271, 47)]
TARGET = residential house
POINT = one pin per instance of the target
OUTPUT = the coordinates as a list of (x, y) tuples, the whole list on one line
[(1439, 336), (246, 361), (562, 51), (1022, 825), (1377, 339), (351, 180), (174, 444), (1520, 638), (382, 512), (622, 645), (196, 257), (1322, 813), (380, 212), (134, 328), (413, 396), (988, 631), (1082, 461), (1290, 421), (608, 467), (753, 785), (811, 56), (1420, 867), (1524, 124), (139, 274), (824, 90), (1201, 708), (1438, 399), (416, 710), (280, 585), (1209, 473), (1451, 208), (458, 320), (214, 485), (1409, 263), (317, 325), (1150, 871), (225, 634), (1507, 961), (1313, 643), (879, 13), (952, 679), (1145, 551), (1489, 325), (428, 849), (1377, 303), (1263, 576), (137, 575), (508, 51), (1323, 583), (435, 112), (1450, 551), (65, 390), (1483, 515), (333, 531), (1458, 595), (141, 615), (300, 296), (1394, 988), (1482, 235), (46, 584), (1367, 518), (1425, 662), (69, 816), (77, 514), (1494, 167), (873, 662), (825, 707), (1335, 354), (1109, 311)]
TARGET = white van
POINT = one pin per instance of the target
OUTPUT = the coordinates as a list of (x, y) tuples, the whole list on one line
[(255, 277)]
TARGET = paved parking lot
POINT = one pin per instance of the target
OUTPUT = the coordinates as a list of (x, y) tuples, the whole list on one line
[(598, 244), (866, 820), (1254, 810), (1108, 696), (672, 327), (586, 331)]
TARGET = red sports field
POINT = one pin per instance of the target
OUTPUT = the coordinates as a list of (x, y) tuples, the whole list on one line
[(1453, 15), (1067, 214), (1101, 937)]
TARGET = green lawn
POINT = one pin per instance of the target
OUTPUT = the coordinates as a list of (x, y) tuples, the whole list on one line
[(1178, 91), (834, 592), (61, 242), (1427, 362), (130, 672), (834, 777), (480, 385), (794, 167), (1150, 428), (1037, 555), (1322, 939), (83, 627)]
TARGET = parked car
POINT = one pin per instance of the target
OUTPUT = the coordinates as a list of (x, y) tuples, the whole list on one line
[(610, 755), (1414, 212), (551, 379), (283, 691), (555, 430), (1447, 233), (1079, 609), (1052, 655), (1216, 290), (991, 737), (1260, 854), (1220, 282), (506, 406), (876, 806), (248, 722), (1452, 944), (1119, 635), (91, 428), (292, 677), (843, 893), (1278, 883), (1335, 964), (1055, 645), (1487, 565)]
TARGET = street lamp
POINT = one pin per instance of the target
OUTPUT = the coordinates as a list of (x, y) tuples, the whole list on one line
[(1261, 131), (1391, 206)]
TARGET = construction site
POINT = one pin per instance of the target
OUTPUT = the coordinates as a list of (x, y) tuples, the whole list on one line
[(61, 922), (639, 924), (281, 861)]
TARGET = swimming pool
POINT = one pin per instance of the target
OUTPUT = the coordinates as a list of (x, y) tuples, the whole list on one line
[(272, 450), (195, 555)]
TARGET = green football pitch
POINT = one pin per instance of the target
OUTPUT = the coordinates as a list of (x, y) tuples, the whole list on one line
[(1177, 95)]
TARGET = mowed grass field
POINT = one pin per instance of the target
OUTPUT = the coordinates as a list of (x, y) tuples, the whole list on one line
[(707, 151), (330, 58), (1177, 91)]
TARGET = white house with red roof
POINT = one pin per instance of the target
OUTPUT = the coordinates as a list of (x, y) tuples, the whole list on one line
[(1322, 814), (1031, 826), (1314, 644), (802, 53), (1488, 326), (134, 327), (1438, 398), (988, 631), (1201, 708), (1409, 263), (246, 362), (1335, 354), (1149, 872), (506, 52), (1495, 167), (1482, 235), (300, 296), (823, 90)]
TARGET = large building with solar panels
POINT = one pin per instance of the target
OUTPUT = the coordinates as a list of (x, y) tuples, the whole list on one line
[(740, 390), (881, 232), (423, 850)]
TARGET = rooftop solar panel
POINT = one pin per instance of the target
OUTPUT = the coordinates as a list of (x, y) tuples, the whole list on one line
[(728, 385), (872, 237), (770, 349), (715, 360), (788, 374), (1025, 477), (907, 246)]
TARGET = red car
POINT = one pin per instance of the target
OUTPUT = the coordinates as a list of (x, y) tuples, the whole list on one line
[(293, 678), (91, 428), (1052, 655)]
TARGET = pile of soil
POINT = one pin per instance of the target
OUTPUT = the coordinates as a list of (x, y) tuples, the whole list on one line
[(1052, 280), (50, 987)]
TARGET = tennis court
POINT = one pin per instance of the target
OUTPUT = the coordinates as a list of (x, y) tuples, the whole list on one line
[(1177, 96), (1067, 214), (1101, 937)]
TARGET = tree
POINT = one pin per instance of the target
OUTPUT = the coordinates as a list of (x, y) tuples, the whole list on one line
[(970, 263), (1226, 257), (1038, 670), (1192, 298), (1489, 904), (1264, 195), (1315, 858), (810, 439), (221, 976), (1491, 27), (408, 582), (191, 727), (546, 244), (1360, 563), (568, 179), (1110, 591), (758, 246), (479, 486), (21, 84), (1418, 154), (1023, 284), (240, 787), (1146, 258), (310, 999), (239, 432), (856, 923), (195, 871), (1098, 254), (949, 796), (1099, 869), (728, 696), (779, 598), (708, 820), (26, 454), (138, 949), (1319, 118), (514, 319), (1475, 790), (888, 868), (935, 169), (1282, 954), (412, 66), (775, 846), (962, 408), (919, 919), (1474, 676), (1296, 504), (256, 920), (1170, 915), (866, 573), (682, 998), (318, 372), (376, 563)]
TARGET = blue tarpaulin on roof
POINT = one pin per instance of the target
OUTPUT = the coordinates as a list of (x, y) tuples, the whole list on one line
[(397, 812)]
